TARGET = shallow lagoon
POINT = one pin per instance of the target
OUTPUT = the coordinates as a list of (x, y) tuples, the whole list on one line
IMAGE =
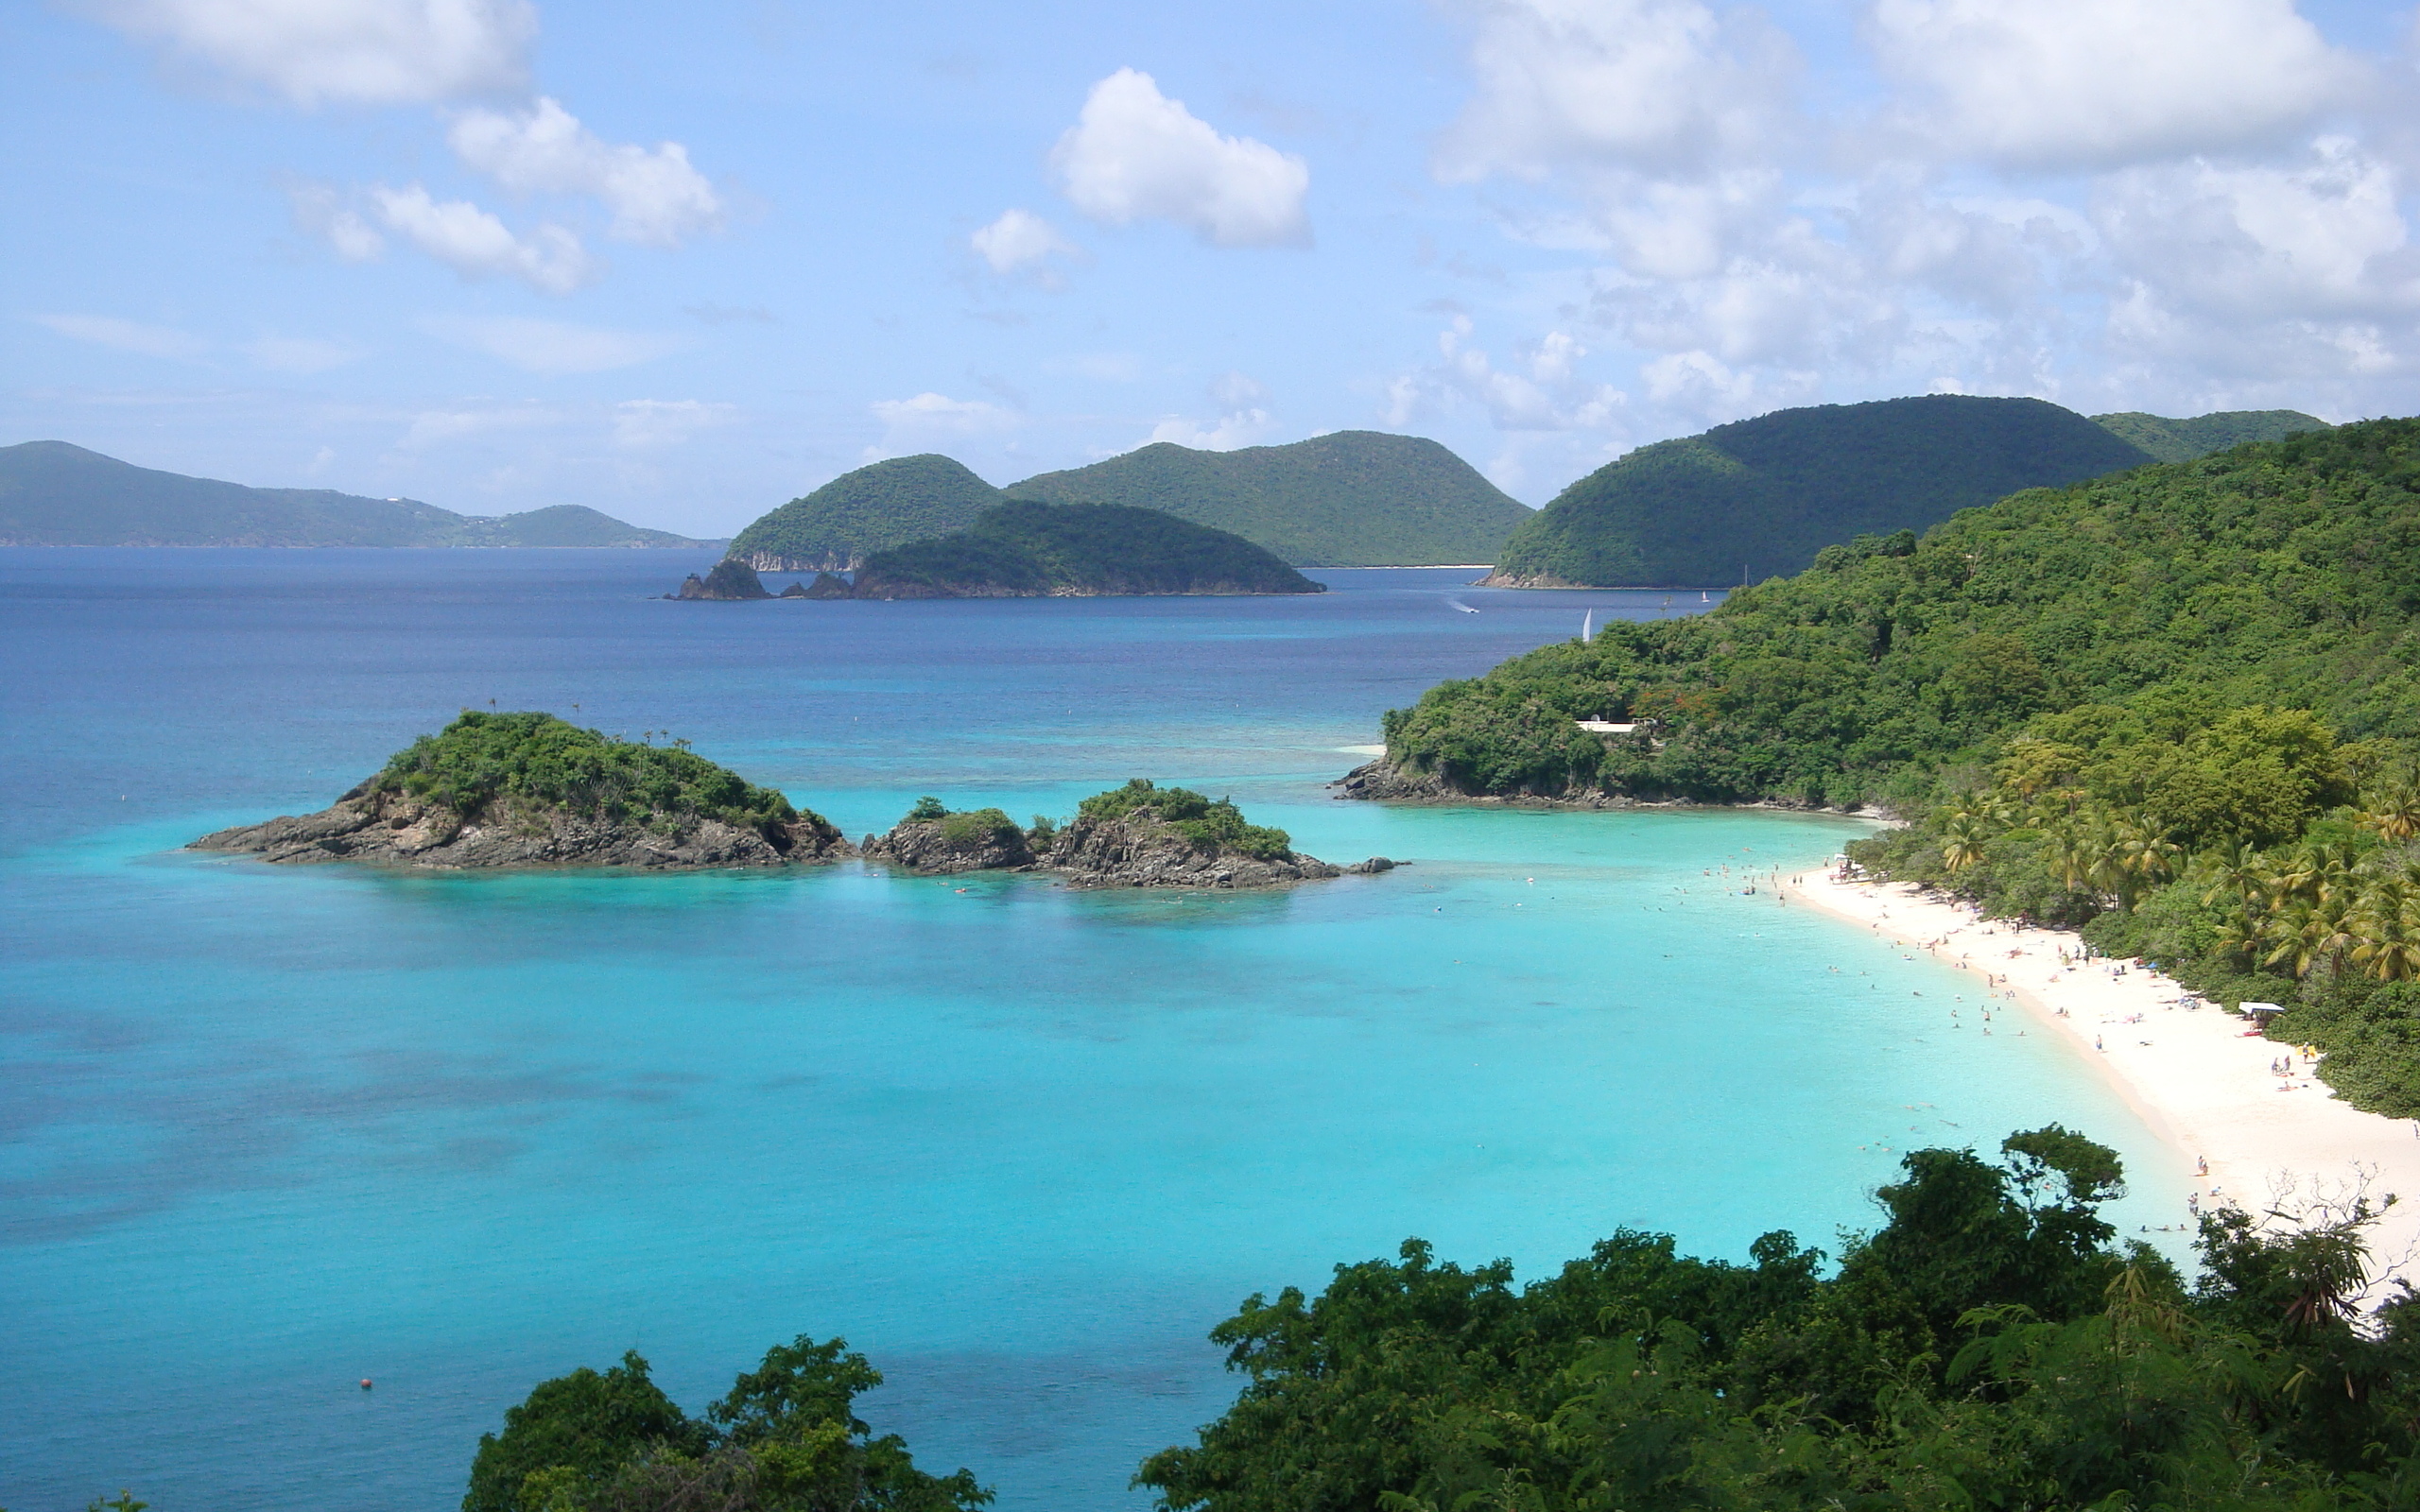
[(271, 1131)]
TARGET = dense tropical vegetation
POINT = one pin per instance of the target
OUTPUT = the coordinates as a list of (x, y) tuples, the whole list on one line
[(1209, 825), (1025, 548), (964, 828), (882, 504), (2182, 440), (1992, 1345), (483, 759), (2179, 707), (1762, 496), (1346, 499), (785, 1439)]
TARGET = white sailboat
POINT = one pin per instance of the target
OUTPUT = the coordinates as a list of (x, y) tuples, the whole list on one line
[(1587, 627)]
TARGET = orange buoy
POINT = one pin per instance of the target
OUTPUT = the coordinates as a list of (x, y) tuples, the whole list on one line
[(365, 1383)]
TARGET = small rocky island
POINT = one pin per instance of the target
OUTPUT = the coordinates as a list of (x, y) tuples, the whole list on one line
[(1140, 835), (500, 790)]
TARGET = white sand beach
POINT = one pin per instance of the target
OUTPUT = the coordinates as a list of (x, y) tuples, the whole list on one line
[(2268, 1141)]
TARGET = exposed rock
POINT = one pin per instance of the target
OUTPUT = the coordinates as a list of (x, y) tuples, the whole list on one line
[(827, 586), (1138, 850), (983, 840), (1371, 867), (393, 829), (1383, 780), (794, 591), (730, 579)]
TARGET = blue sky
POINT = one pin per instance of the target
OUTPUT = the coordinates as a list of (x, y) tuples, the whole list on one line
[(683, 264)]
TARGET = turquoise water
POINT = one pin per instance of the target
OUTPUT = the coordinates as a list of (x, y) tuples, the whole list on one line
[(271, 1131)]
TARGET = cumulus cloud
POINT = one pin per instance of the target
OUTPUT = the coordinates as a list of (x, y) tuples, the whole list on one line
[(934, 413), (321, 210), (1543, 390), (2085, 82), (1020, 240), (1653, 86), (1245, 421), (640, 423), (126, 335), (551, 347), (477, 245), (1134, 154), (370, 52), (654, 195)]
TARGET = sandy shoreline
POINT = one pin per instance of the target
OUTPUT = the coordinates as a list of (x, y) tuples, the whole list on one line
[(2198, 1082)]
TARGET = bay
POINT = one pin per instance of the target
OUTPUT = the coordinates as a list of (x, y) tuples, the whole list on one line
[(270, 1131)]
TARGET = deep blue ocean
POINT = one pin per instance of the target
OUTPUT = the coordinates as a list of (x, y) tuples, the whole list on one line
[(268, 1131)]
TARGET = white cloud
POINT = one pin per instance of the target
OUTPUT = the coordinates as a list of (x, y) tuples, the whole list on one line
[(371, 52), (1550, 396), (437, 426), (551, 347), (477, 245), (1020, 240), (1134, 154), (126, 335), (2051, 82), (648, 422), (1239, 390), (302, 354), (2323, 238), (320, 210), (1654, 86), (655, 196), (931, 413)]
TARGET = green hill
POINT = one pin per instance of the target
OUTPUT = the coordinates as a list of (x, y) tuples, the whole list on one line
[(54, 494), (1761, 497), (2182, 440), (1024, 548), (1348, 499), (874, 507)]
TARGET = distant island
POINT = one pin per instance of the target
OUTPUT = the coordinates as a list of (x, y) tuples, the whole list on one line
[(1138, 835), (1348, 499), (55, 494), (885, 504), (1023, 549), (1759, 498), (527, 790)]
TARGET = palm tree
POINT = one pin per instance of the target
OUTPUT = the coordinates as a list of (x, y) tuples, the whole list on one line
[(2387, 918), (2392, 813), (1962, 841)]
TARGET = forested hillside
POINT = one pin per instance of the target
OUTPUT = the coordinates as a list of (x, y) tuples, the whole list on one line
[(2182, 440), (887, 504), (2179, 708), (54, 494), (1759, 498), (1026, 549), (1347, 499)]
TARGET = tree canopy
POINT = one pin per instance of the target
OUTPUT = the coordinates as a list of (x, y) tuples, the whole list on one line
[(1990, 1345), (1761, 497), (785, 1438), (1023, 548)]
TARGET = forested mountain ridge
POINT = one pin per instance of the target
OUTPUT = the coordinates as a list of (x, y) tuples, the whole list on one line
[(873, 508), (55, 494), (1346, 499), (2283, 572), (2182, 440), (1759, 498)]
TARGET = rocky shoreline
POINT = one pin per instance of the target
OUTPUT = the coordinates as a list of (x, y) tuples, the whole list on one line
[(1382, 782), (394, 830)]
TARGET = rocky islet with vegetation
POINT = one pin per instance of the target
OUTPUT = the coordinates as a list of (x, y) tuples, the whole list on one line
[(527, 790)]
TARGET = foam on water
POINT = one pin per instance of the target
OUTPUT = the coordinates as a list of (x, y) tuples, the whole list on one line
[(272, 1130)]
